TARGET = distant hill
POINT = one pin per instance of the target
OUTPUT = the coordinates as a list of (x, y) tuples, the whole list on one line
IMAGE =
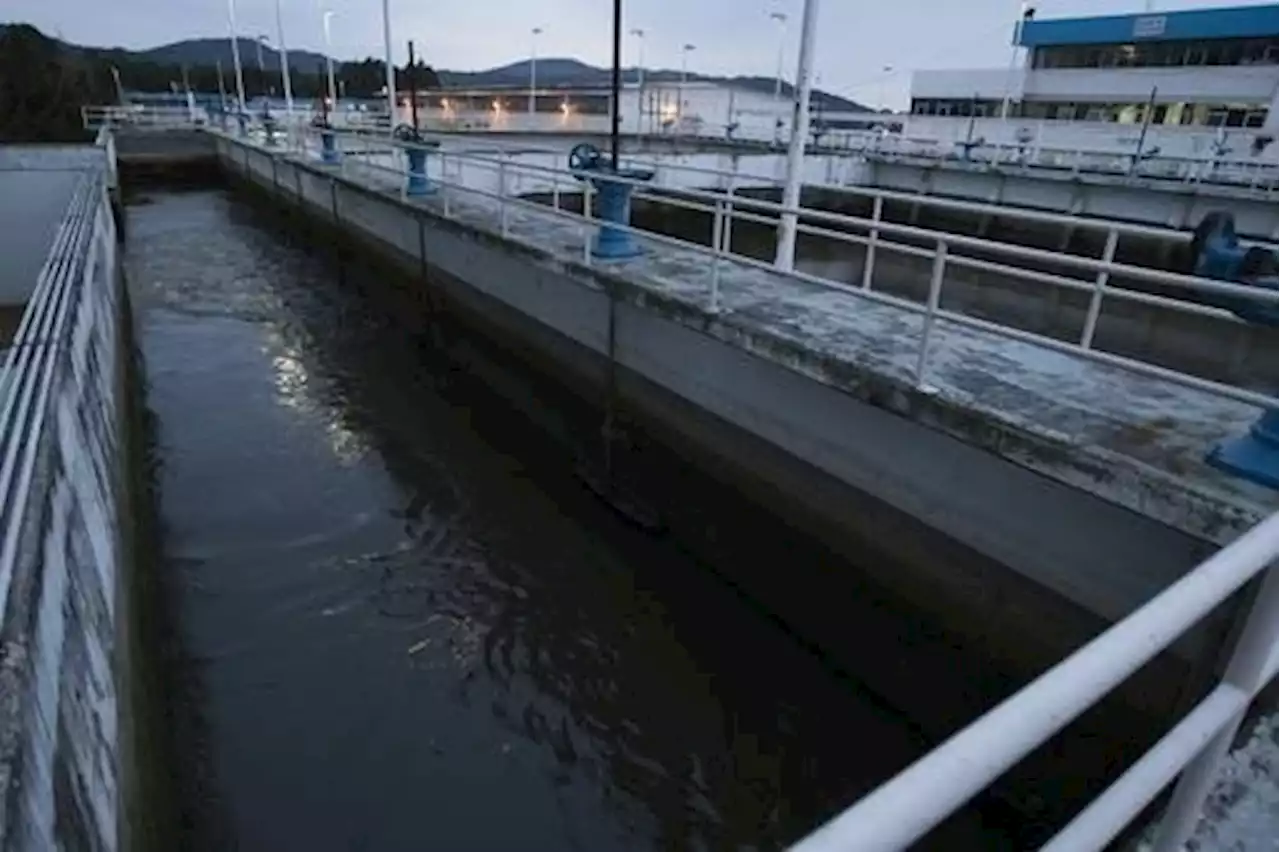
[(210, 51), (556, 72), (553, 72)]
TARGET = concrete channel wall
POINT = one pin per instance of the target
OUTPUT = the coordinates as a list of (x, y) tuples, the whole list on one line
[(1170, 204), (852, 469), (65, 735)]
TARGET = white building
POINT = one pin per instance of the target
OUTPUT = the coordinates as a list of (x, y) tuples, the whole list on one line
[(668, 107), (1203, 81)]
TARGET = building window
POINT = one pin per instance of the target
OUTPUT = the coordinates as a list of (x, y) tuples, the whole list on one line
[(1197, 52)]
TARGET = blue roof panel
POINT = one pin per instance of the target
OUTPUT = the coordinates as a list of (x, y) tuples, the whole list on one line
[(1228, 22)]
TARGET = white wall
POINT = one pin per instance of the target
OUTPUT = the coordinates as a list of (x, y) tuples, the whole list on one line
[(1173, 140), (1227, 84), (986, 83)]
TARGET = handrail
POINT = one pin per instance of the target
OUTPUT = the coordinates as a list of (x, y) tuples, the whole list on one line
[(31, 364), (905, 808), (725, 206), (1066, 220)]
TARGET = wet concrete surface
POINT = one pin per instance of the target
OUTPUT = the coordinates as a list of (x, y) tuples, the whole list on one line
[(401, 623)]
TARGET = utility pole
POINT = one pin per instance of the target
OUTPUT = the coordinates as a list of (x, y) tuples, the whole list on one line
[(391, 69), (284, 63), (784, 259), (235, 51), (328, 61), (639, 34), (615, 108), (533, 70), (777, 83)]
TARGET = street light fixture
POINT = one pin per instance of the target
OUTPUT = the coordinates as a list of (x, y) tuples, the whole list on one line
[(781, 18), (533, 70), (784, 256), (235, 52), (284, 63), (684, 77), (328, 60), (390, 68), (639, 34)]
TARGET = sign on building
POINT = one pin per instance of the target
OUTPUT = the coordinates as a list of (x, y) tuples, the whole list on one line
[(1148, 26)]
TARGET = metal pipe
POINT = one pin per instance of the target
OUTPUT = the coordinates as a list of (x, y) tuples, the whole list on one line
[(786, 250), (235, 52), (390, 68)]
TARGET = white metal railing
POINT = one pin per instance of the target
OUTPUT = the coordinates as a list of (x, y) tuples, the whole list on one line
[(946, 252), (1253, 174), (35, 362), (907, 807), (142, 117)]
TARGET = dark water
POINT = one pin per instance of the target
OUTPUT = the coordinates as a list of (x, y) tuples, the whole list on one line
[(407, 627)]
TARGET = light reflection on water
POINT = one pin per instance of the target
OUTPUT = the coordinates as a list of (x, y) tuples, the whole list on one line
[(409, 635)]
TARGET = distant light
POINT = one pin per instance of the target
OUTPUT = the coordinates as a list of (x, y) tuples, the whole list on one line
[(497, 106)]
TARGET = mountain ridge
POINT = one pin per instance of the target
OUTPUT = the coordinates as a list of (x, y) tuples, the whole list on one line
[(552, 72)]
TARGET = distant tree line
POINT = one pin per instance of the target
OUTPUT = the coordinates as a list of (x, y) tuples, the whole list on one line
[(363, 79), (43, 85), (43, 82)]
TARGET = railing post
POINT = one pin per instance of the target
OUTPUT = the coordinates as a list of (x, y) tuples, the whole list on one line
[(444, 188), (935, 293), (1099, 285), (586, 227), (726, 233), (1250, 662), (868, 265), (502, 189), (717, 233)]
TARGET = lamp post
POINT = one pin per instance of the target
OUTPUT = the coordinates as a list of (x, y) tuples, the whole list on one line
[(684, 78), (784, 258), (1024, 12), (778, 121), (284, 64), (262, 71), (391, 69), (235, 52), (328, 60), (639, 34), (885, 72), (533, 70)]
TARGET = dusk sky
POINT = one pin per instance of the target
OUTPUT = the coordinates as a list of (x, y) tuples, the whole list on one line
[(856, 38)]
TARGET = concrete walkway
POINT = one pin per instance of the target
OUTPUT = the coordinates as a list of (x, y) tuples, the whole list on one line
[(1131, 439)]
